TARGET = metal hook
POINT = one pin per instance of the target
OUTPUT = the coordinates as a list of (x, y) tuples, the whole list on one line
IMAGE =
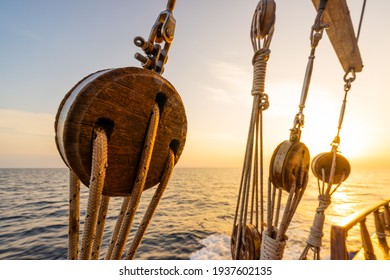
[(351, 71)]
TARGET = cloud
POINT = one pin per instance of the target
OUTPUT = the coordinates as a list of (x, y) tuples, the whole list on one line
[(26, 123), (231, 83), (230, 73), (27, 140)]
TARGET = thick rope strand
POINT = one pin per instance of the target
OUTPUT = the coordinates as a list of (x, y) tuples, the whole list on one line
[(170, 164), (100, 227), (139, 183), (74, 216), (118, 224), (98, 172)]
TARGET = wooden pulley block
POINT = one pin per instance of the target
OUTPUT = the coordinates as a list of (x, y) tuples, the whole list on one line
[(324, 161), (267, 17), (251, 245), (120, 101), (289, 158)]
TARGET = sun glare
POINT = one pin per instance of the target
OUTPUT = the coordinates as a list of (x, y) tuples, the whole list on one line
[(320, 132)]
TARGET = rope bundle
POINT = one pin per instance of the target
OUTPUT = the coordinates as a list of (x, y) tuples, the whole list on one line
[(98, 204), (251, 185), (272, 249), (316, 231)]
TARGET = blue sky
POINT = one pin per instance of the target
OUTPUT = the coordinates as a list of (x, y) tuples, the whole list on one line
[(48, 46)]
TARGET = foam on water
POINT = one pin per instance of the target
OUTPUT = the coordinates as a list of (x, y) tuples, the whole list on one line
[(216, 247)]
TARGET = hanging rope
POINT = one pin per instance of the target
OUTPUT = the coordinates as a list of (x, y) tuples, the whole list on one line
[(96, 215), (100, 227), (247, 207), (152, 206), (98, 172), (139, 184), (74, 122), (118, 224), (74, 216), (274, 236)]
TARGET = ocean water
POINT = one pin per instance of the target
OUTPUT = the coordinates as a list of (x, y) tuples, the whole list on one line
[(193, 220)]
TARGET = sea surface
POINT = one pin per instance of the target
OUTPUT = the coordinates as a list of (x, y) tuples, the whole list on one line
[(193, 220)]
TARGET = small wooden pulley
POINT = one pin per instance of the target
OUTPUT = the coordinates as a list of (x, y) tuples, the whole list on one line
[(120, 101), (324, 161), (290, 158), (251, 243)]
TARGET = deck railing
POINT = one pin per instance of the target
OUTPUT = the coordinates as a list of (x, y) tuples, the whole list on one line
[(339, 232)]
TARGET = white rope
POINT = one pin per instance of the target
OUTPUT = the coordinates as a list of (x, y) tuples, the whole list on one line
[(98, 172), (271, 249)]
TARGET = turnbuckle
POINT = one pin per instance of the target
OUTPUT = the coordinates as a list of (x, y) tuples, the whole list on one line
[(162, 31)]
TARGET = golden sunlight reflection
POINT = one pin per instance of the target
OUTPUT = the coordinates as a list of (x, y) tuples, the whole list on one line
[(341, 204)]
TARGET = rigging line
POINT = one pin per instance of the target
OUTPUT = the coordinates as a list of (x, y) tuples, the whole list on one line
[(361, 20)]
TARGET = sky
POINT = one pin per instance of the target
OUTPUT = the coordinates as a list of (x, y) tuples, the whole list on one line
[(48, 46)]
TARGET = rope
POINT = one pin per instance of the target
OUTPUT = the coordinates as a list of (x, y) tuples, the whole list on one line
[(314, 241), (152, 206), (118, 224), (244, 192), (98, 172), (259, 62), (139, 184), (316, 231), (100, 227), (247, 201), (271, 249), (74, 216)]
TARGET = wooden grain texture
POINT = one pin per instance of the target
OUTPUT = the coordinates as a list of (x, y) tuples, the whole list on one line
[(339, 232), (289, 158), (121, 101), (341, 34), (338, 246)]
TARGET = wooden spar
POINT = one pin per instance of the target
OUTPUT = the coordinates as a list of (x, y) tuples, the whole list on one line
[(341, 34)]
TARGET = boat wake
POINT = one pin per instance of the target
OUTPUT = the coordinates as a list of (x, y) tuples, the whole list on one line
[(216, 247)]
